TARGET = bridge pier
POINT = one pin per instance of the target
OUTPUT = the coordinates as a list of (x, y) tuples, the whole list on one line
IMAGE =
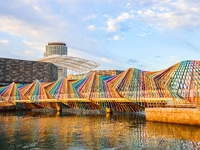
[(108, 110)]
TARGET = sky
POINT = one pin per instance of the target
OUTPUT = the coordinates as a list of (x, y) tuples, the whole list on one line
[(119, 34)]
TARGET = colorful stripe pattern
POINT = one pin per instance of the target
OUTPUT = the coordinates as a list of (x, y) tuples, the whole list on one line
[(35, 91), (62, 89), (11, 93), (95, 87), (127, 91)]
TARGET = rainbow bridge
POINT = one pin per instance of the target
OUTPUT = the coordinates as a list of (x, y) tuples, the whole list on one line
[(132, 90)]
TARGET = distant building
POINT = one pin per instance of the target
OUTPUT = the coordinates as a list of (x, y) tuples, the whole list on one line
[(58, 48), (25, 71)]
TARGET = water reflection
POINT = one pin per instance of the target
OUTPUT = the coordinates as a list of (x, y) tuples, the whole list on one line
[(37, 130)]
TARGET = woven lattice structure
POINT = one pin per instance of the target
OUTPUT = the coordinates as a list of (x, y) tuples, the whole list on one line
[(131, 90), (76, 64)]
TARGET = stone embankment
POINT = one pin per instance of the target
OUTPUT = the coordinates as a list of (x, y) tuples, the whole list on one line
[(190, 116)]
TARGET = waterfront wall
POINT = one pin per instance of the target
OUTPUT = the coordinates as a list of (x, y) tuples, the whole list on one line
[(174, 115)]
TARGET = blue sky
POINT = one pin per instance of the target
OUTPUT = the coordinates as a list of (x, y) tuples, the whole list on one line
[(119, 34)]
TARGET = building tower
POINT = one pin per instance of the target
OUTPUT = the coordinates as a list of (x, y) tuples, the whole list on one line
[(57, 48), (53, 48)]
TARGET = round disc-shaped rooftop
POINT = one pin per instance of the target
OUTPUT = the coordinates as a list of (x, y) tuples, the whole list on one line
[(75, 64)]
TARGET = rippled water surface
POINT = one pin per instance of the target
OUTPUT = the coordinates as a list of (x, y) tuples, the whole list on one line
[(31, 130)]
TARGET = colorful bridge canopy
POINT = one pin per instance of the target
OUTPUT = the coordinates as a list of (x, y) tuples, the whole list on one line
[(36, 91), (180, 81), (11, 93)]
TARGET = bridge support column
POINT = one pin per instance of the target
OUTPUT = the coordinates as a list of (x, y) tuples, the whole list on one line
[(108, 110)]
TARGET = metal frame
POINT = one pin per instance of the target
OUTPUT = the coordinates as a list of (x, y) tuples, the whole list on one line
[(76, 64)]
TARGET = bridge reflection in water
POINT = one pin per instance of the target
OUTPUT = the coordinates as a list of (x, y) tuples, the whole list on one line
[(29, 130)]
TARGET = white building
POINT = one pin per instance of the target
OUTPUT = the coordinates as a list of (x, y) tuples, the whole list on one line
[(57, 48), (53, 48)]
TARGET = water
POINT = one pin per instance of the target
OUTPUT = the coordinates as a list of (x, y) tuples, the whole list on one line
[(54, 131)]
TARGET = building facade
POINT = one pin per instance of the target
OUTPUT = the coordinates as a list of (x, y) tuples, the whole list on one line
[(25, 71), (58, 48)]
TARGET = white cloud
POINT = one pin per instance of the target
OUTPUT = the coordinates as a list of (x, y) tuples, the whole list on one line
[(106, 60), (34, 36), (128, 5), (29, 2), (113, 23), (27, 42), (172, 58), (142, 34), (34, 45), (139, 12), (37, 9), (117, 37), (92, 27), (89, 17), (29, 52), (170, 14), (16, 27), (4, 41)]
